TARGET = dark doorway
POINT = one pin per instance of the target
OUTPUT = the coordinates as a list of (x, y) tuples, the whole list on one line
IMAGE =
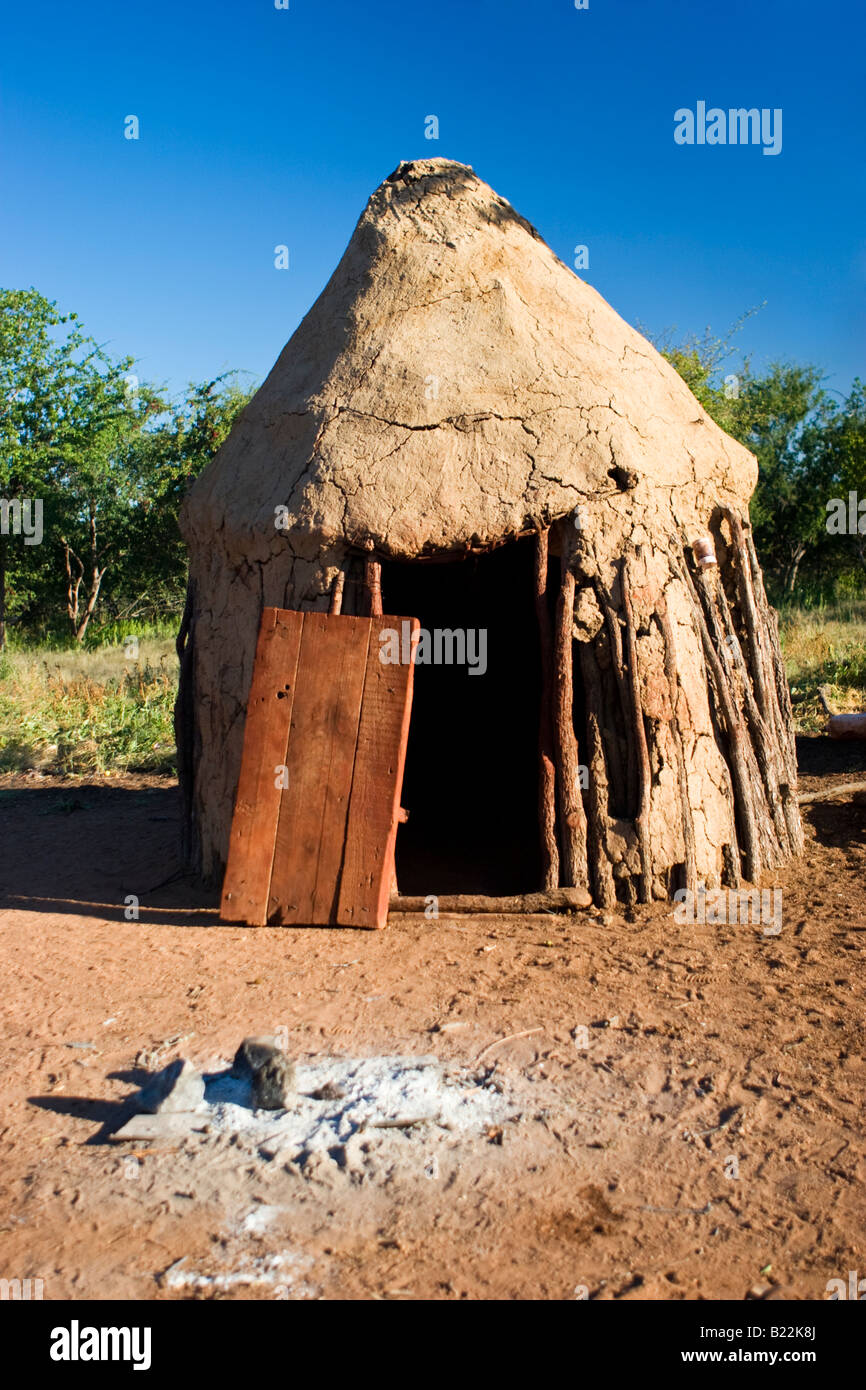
[(472, 761)]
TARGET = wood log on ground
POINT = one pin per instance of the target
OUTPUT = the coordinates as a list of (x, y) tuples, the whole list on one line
[(855, 789), (847, 726), (553, 900)]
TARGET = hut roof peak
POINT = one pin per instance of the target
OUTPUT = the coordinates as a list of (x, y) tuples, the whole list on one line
[(454, 384)]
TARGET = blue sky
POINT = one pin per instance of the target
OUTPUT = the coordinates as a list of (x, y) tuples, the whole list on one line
[(261, 127)]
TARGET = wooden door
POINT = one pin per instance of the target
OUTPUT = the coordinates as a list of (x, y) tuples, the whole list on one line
[(318, 800)]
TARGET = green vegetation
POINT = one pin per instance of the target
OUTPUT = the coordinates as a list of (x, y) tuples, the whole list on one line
[(108, 460), (824, 646), (86, 711), (811, 449)]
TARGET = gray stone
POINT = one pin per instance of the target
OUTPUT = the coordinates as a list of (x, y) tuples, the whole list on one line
[(165, 1126), (274, 1083), (252, 1054), (178, 1087)]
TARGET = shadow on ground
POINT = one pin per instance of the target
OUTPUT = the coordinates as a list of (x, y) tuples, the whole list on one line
[(81, 848), (85, 848)]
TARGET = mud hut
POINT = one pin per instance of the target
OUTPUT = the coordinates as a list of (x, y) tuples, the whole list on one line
[(464, 427)]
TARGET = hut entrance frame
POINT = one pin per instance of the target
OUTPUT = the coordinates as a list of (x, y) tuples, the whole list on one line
[(471, 780), (500, 803)]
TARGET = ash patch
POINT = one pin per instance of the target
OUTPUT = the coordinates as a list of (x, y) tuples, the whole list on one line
[(338, 1098), (282, 1272)]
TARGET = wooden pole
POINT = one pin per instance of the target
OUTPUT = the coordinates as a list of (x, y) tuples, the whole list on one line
[(546, 769), (732, 728), (337, 592), (641, 822), (572, 818), (598, 801), (670, 658), (373, 586)]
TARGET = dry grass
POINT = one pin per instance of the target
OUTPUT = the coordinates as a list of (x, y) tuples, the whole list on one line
[(825, 647), (88, 711)]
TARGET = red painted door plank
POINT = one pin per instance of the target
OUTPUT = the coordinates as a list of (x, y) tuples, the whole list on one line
[(257, 803), (312, 825), (371, 833)]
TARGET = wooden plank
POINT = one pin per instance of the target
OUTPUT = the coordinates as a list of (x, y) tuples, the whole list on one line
[(311, 830), (257, 803), (374, 808)]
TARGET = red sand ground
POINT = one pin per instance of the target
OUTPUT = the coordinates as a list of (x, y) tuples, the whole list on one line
[(706, 1045)]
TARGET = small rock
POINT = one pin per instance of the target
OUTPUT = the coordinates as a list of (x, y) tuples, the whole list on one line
[(760, 1293), (274, 1083), (178, 1087), (330, 1091), (252, 1054), (151, 1127)]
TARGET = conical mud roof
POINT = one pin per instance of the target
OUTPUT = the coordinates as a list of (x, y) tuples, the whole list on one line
[(453, 385)]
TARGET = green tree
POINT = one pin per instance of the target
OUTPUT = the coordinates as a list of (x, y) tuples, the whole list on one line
[(787, 419), (64, 405), (161, 463), (834, 442), (109, 461)]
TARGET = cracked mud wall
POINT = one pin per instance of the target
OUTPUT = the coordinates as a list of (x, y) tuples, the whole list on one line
[(456, 385)]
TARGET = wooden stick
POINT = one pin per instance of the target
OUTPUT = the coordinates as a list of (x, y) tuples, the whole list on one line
[(641, 821), (824, 700), (546, 770), (337, 592), (783, 691), (373, 586), (773, 694), (614, 635), (572, 817), (553, 900), (754, 626), (732, 727), (764, 742), (691, 882), (512, 1037), (600, 869), (830, 793)]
